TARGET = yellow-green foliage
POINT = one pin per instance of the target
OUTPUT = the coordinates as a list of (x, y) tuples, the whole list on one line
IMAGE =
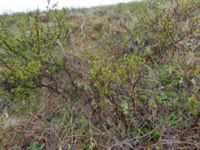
[(116, 77), (110, 74), (29, 52)]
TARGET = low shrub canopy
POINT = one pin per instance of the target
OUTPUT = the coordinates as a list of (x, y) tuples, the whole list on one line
[(124, 76)]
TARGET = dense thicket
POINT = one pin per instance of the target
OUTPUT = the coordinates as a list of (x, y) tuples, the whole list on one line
[(118, 77)]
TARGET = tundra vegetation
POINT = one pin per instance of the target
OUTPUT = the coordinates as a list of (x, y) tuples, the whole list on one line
[(121, 77)]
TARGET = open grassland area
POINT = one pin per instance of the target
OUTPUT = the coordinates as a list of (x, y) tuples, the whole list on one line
[(121, 77)]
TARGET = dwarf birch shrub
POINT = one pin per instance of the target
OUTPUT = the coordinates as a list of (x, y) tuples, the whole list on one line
[(30, 53), (164, 30)]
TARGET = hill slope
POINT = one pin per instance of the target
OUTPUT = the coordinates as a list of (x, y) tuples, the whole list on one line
[(116, 77)]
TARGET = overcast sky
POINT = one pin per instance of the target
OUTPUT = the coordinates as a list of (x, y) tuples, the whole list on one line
[(26, 5)]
